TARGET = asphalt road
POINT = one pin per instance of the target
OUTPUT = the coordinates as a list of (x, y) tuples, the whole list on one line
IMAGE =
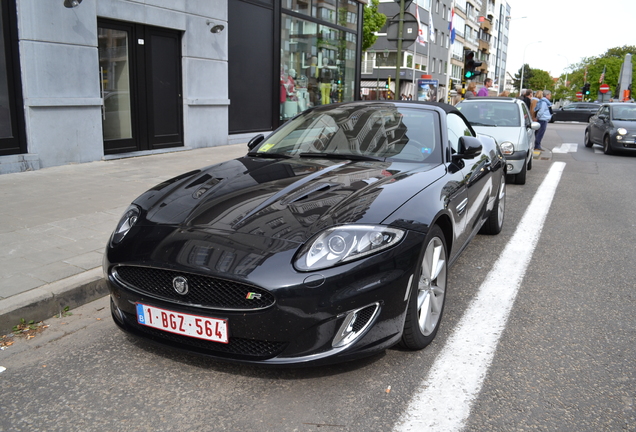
[(565, 361)]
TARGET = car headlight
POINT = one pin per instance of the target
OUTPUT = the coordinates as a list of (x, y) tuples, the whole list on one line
[(345, 243), (507, 148), (622, 131), (130, 217)]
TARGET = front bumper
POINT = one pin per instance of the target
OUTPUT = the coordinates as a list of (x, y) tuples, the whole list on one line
[(516, 161), (306, 319)]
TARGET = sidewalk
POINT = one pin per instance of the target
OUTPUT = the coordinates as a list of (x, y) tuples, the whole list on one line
[(55, 223)]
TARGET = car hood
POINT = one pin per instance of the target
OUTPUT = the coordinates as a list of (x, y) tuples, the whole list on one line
[(289, 199), (502, 134), (630, 125)]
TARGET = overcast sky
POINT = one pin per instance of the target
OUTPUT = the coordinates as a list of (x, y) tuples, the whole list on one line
[(569, 30)]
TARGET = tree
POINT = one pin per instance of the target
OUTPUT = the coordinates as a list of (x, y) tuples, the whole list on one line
[(527, 73), (612, 61), (372, 22), (535, 79)]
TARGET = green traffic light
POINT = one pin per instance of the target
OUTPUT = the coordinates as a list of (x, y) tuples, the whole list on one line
[(469, 74)]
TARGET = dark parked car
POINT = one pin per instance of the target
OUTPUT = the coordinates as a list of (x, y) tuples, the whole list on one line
[(576, 111), (330, 240), (614, 127)]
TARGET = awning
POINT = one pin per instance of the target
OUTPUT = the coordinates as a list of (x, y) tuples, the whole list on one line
[(373, 84)]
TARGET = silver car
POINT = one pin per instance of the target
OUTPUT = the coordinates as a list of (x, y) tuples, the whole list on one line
[(508, 121)]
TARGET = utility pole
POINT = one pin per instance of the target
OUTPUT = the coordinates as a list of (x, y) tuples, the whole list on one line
[(399, 50)]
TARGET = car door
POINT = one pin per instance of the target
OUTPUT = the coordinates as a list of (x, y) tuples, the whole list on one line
[(527, 124), (598, 125), (475, 177)]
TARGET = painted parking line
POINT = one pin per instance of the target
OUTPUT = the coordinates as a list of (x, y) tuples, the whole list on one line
[(566, 148), (446, 395)]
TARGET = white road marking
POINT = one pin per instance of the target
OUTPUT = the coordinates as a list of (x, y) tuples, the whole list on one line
[(445, 397), (566, 148)]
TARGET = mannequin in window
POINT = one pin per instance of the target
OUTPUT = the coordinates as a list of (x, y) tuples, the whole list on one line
[(326, 80), (288, 82)]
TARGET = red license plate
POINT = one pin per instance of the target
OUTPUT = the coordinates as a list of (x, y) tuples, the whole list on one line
[(212, 329)]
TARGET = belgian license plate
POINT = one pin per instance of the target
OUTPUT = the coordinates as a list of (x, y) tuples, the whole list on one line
[(212, 329)]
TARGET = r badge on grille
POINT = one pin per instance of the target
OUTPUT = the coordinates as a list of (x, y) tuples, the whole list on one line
[(180, 285)]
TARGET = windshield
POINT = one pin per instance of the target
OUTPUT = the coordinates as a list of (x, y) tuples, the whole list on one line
[(362, 131), (626, 113), (488, 113)]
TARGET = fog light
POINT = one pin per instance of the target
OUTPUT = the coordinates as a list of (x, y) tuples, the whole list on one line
[(355, 323), (509, 167)]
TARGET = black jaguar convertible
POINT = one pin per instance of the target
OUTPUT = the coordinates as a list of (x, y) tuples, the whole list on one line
[(330, 240)]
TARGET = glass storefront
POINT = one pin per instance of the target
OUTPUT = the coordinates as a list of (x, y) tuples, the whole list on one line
[(318, 64)]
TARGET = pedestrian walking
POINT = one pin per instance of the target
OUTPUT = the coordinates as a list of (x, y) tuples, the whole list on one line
[(470, 90), (457, 97), (527, 97), (543, 117), (484, 90), (533, 104)]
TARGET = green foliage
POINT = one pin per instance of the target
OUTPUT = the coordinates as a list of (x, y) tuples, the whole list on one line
[(535, 79), (372, 22), (612, 61)]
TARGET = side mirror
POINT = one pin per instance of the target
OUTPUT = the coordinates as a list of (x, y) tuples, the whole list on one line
[(535, 126), (255, 141), (469, 148)]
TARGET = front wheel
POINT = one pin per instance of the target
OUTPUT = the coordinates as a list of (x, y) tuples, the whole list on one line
[(607, 148), (428, 293), (494, 223), (588, 139)]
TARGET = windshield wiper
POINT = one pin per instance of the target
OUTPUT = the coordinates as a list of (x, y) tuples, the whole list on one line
[(270, 155), (341, 156)]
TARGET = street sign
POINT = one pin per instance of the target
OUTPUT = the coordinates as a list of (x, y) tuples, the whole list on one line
[(604, 88), (409, 29), (579, 95)]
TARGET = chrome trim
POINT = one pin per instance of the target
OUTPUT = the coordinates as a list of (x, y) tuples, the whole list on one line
[(462, 206), (346, 332)]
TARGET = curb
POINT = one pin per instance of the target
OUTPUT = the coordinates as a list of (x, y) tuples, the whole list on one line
[(43, 302)]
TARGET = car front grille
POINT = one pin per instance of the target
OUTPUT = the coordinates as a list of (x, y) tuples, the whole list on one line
[(203, 291)]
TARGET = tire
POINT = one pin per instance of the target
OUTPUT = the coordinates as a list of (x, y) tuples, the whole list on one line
[(530, 162), (607, 148), (510, 178), (494, 223), (588, 139), (428, 293), (520, 178)]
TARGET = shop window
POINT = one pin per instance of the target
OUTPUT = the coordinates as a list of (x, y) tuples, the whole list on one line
[(317, 64)]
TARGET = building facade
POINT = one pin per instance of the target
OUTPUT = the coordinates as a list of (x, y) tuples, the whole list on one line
[(87, 80), (430, 60)]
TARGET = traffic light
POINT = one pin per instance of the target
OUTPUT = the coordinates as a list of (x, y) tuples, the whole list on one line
[(586, 89), (470, 64)]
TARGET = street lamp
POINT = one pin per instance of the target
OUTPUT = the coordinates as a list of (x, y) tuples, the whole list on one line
[(523, 65)]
